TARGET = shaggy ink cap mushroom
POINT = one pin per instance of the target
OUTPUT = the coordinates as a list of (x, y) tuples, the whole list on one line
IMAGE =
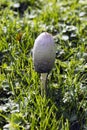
[(44, 53)]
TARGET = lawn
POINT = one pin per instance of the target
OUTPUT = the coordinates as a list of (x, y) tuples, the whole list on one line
[(21, 105)]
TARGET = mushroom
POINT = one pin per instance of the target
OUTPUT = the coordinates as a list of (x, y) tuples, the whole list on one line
[(43, 57)]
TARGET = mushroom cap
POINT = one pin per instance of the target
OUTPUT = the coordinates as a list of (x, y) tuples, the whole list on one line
[(44, 53)]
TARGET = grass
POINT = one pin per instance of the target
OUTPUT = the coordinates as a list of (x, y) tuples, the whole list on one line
[(21, 104)]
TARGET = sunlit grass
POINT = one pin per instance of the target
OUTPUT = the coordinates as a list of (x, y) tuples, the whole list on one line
[(21, 104)]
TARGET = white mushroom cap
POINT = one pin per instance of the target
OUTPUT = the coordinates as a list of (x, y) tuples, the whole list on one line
[(44, 53)]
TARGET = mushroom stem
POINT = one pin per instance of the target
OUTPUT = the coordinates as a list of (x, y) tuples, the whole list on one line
[(44, 84)]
